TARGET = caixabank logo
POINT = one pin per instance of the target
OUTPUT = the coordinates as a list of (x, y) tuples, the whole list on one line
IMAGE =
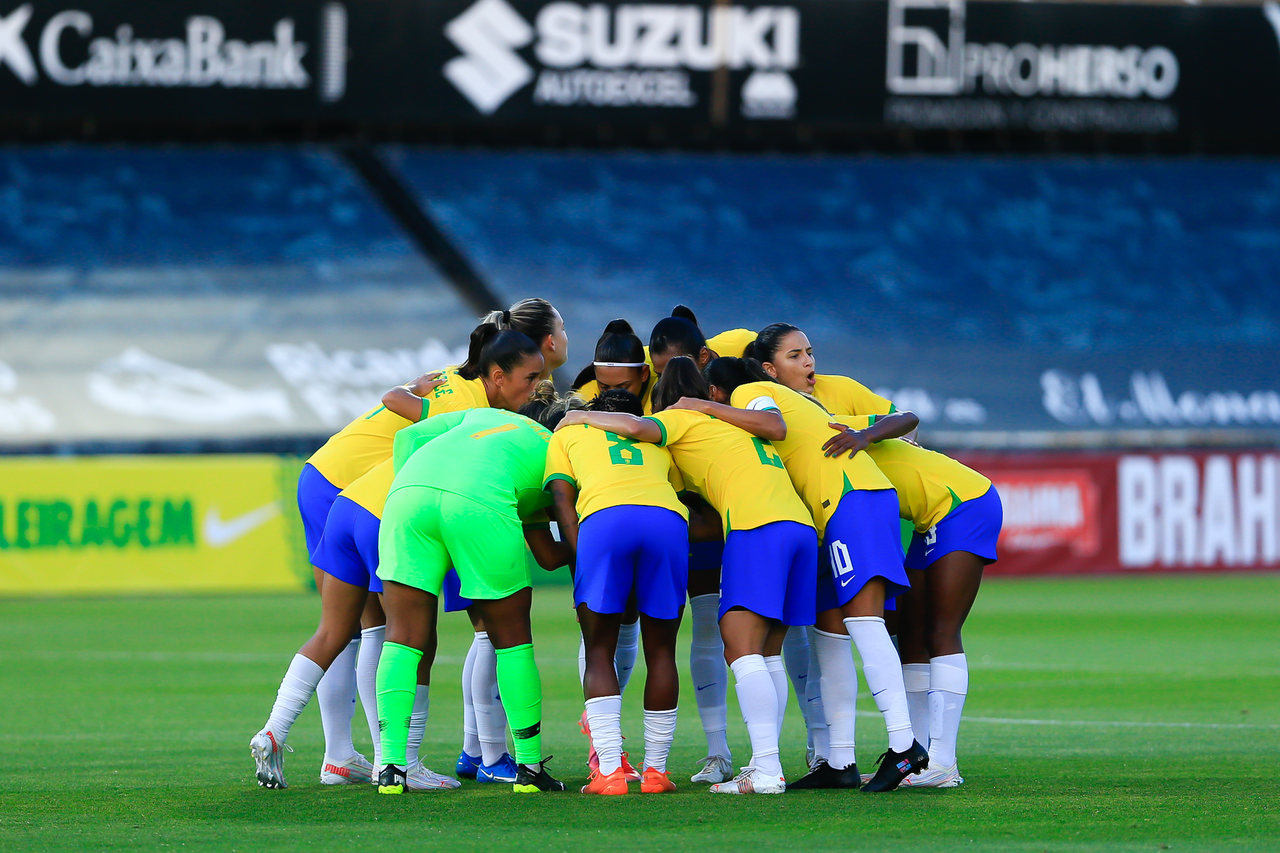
[(73, 48), (622, 55)]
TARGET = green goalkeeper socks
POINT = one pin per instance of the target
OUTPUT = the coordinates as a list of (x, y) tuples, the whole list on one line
[(521, 691), (397, 686)]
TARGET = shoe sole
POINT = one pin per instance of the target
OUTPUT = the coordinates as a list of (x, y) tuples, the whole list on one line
[(267, 778), (391, 789)]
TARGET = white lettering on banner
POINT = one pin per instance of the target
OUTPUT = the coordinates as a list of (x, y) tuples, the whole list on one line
[(341, 385), (140, 384), (1081, 401), (1175, 513), (928, 407), (204, 56), (616, 56)]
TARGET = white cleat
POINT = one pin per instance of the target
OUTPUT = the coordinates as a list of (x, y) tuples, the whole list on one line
[(935, 777), (422, 778), (715, 768), (751, 781), (268, 755), (355, 770)]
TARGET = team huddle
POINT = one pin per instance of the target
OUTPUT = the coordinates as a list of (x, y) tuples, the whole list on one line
[(793, 510)]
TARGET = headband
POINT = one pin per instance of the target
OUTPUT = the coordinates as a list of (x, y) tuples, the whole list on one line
[(618, 363)]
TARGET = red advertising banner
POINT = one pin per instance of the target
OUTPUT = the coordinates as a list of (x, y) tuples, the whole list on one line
[(1069, 513)]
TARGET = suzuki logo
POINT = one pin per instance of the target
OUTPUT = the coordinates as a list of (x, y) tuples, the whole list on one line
[(13, 50), (489, 71)]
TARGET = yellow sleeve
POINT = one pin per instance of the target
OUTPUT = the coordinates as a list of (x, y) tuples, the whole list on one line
[(559, 466), (844, 396), (855, 421), (588, 390), (673, 424)]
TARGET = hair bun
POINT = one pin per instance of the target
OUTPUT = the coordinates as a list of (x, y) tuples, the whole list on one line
[(619, 327), (684, 312)]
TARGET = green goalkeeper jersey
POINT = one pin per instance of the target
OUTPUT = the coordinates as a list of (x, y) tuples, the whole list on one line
[(491, 456)]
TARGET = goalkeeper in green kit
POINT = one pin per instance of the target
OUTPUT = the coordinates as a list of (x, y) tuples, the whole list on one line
[(465, 484)]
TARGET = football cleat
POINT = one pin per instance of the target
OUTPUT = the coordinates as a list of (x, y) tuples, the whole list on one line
[(935, 777), (268, 755), (468, 765), (611, 784), (896, 766), (422, 778), (504, 770), (355, 770), (655, 781), (530, 781), (715, 768), (751, 781), (633, 775), (392, 780), (823, 775)]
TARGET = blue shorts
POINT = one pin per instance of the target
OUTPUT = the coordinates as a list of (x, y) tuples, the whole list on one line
[(451, 593), (348, 548), (771, 571), (706, 556), (862, 541), (973, 526), (626, 549), (315, 497)]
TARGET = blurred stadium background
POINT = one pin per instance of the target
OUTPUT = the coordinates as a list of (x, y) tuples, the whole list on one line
[(1050, 229)]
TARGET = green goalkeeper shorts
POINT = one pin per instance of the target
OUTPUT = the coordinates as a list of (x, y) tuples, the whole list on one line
[(426, 530)]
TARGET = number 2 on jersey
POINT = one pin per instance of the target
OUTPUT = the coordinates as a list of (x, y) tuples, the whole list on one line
[(623, 451), (768, 456)]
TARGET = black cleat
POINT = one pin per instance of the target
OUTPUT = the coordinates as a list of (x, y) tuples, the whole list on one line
[(392, 780), (530, 781), (823, 775), (896, 766)]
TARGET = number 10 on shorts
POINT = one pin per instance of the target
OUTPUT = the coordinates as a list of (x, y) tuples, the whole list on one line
[(841, 563)]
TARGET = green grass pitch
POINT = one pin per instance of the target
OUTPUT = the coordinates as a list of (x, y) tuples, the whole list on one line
[(1136, 713)]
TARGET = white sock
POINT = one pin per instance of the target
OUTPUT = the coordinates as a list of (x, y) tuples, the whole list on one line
[(296, 688), (371, 640), (915, 678), (839, 695), (336, 696), (659, 734), (759, 702), (778, 672), (624, 656), (491, 718), (883, 671), (470, 734), (582, 660), (417, 723), (795, 654), (706, 667), (815, 717), (604, 716), (948, 685)]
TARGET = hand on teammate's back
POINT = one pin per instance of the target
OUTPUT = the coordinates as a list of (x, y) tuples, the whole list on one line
[(852, 440)]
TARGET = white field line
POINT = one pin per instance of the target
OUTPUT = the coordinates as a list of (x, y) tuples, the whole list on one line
[(1125, 724)]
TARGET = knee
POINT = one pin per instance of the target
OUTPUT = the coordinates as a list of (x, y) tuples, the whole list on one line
[(944, 639)]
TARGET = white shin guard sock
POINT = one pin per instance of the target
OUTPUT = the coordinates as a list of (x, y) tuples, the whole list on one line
[(839, 695), (706, 667), (759, 702), (815, 717), (604, 716), (418, 723), (624, 656), (336, 696), (371, 640), (296, 689), (491, 718), (470, 734), (795, 655), (948, 686), (883, 671), (778, 672), (659, 734), (915, 678)]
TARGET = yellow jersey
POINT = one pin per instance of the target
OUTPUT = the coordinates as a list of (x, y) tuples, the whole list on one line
[(844, 396), (367, 440), (821, 480), (929, 484), (740, 475), (609, 470), (370, 489), (731, 343)]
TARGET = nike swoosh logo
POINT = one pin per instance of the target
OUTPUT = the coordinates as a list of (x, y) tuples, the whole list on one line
[(705, 686), (846, 579), (220, 533)]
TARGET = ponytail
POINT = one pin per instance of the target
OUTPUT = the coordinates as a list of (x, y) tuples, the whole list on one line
[(679, 332), (490, 345), (535, 318)]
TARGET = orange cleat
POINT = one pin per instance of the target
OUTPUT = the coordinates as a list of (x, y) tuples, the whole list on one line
[(633, 775), (656, 781), (613, 784)]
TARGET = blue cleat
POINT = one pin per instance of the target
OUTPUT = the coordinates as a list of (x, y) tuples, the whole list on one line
[(467, 765), (504, 770)]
